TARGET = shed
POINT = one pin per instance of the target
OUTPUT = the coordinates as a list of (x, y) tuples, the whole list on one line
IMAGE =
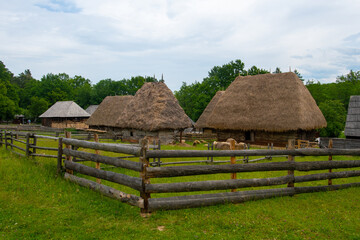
[(91, 109), (153, 112), (109, 110), (65, 114), (352, 126), (267, 108)]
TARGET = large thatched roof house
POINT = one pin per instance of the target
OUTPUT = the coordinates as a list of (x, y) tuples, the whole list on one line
[(266, 108), (201, 122), (65, 114), (107, 113), (352, 126), (154, 112)]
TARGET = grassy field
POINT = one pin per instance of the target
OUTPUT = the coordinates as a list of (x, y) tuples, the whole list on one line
[(37, 204)]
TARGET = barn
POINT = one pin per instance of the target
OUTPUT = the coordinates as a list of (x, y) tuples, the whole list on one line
[(267, 108), (65, 114), (109, 110), (352, 126), (153, 112), (201, 122)]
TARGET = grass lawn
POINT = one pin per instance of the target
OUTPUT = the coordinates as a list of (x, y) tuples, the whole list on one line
[(37, 204)]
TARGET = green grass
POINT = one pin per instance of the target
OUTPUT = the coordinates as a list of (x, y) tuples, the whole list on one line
[(37, 204)]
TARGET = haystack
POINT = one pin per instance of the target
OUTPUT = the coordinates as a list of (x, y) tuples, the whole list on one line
[(267, 107), (65, 114), (154, 111), (109, 110), (352, 126)]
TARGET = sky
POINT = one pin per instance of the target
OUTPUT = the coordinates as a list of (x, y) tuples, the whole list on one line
[(183, 39)]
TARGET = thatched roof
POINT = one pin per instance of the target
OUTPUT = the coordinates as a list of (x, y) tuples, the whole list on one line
[(65, 109), (201, 122), (91, 109), (352, 126), (109, 111), (153, 108), (270, 102)]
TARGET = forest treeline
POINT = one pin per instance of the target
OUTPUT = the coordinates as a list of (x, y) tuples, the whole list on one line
[(22, 94)]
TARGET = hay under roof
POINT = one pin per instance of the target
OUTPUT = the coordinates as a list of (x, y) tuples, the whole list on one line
[(201, 122), (269, 102), (109, 111), (352, 126), (65, 109), (153, 108)]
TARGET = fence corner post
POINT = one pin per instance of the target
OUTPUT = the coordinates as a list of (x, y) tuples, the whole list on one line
[(68, 158), (291, 158), (144, 143), (97, 164)]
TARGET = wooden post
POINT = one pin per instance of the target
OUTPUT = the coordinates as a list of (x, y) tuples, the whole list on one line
[(181, 136), (97, 164), (11, 140), (59, 158), (291, 146), (68, 158), (27, 152), (145, 180), (330, 159), (6, 143), (1, 138), (232, 161), (34, 143)]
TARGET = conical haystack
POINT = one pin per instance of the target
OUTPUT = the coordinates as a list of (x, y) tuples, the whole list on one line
[(109, 111), (153, 108), (267, 102)]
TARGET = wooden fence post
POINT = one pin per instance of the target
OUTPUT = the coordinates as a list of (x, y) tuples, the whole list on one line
[(6, 143), (330, 159), (34, 142), (145, 180), (97, 164), (68, 158), (11, 141), (59, 158), (291, 146), (232, 161), (27, 152), (1, 138)]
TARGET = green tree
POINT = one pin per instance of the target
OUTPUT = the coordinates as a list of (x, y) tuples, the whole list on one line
[(9, 98), (299, 75), (335, 115), (350, 77), (37, 107)]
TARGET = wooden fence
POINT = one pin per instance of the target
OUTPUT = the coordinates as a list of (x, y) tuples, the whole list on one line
[(146, 201)]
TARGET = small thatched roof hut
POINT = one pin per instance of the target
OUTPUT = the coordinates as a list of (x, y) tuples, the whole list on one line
[(352, 126), (268, 103), (65, 114), (155, 111), (109, 110), (201, 122), (91, 109)]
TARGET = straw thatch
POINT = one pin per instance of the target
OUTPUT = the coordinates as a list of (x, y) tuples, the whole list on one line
[(154, 108), (91, 109), (109, 111), (352, 126), (65, 109), (268, 102), (201, 122)]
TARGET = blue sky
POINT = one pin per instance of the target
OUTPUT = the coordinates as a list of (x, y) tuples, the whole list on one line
[(181, 39)]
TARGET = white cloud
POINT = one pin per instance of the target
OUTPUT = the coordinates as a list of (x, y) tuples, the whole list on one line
[(182, 39)]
